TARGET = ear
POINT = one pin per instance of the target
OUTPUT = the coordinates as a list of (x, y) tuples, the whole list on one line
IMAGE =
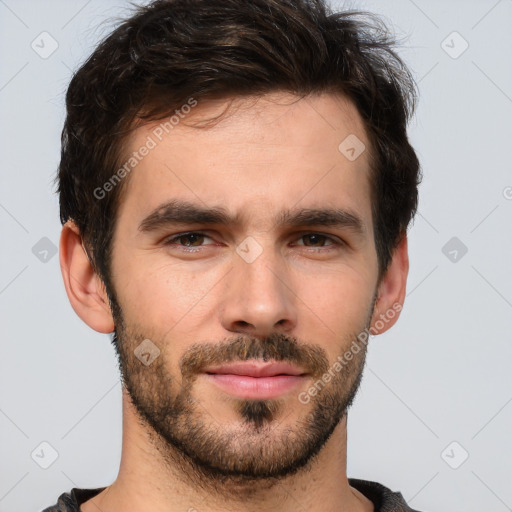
[(391, 290), (85, 289)]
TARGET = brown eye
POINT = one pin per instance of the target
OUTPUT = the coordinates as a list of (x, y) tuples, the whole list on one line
[(314, 239), (188, 241), (191, 239), (318, 240)]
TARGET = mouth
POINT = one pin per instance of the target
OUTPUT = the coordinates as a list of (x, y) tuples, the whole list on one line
[(256, 380)]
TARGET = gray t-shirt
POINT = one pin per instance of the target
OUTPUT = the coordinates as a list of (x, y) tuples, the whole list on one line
[(383, 499)]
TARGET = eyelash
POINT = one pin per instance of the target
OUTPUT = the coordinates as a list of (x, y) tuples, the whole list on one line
[(336, 243)]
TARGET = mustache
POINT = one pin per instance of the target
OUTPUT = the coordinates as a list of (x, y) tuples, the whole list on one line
[(275, 347)]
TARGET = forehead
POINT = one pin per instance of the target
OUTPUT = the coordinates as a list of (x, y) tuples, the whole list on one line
[(264, 155)]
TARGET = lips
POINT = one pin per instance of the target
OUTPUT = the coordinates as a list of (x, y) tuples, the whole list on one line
[(254, 369), (256, 380)]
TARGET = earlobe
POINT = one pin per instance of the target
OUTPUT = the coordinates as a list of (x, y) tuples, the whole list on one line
[(391, 292), (85, 289)]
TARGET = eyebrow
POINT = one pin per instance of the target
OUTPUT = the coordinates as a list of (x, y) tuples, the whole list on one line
[(184, 212)]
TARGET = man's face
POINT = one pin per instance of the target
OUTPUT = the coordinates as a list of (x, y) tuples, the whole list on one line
[(257, 289)]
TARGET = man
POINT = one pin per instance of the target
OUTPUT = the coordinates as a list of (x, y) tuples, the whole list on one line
[(235, 185)]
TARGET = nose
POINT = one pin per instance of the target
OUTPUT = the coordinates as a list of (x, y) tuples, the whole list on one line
[(258, 296)]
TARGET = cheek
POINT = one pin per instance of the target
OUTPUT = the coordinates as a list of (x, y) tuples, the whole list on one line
[(340, 303), (161, 295)]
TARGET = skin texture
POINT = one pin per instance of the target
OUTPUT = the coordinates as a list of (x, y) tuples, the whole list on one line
[(186, 443)]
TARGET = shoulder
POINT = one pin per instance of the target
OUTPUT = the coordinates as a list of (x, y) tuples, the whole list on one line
[(383, 498), (71, 501)]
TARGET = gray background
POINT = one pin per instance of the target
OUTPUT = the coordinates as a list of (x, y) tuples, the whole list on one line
[(440, 376)]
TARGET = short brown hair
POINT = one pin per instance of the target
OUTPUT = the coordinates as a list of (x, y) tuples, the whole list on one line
[(172, 50)]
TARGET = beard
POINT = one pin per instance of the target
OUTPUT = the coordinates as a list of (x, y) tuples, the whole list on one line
[(258, 447)]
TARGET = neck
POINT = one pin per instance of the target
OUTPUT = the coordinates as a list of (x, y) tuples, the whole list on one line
[(149, 481)]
